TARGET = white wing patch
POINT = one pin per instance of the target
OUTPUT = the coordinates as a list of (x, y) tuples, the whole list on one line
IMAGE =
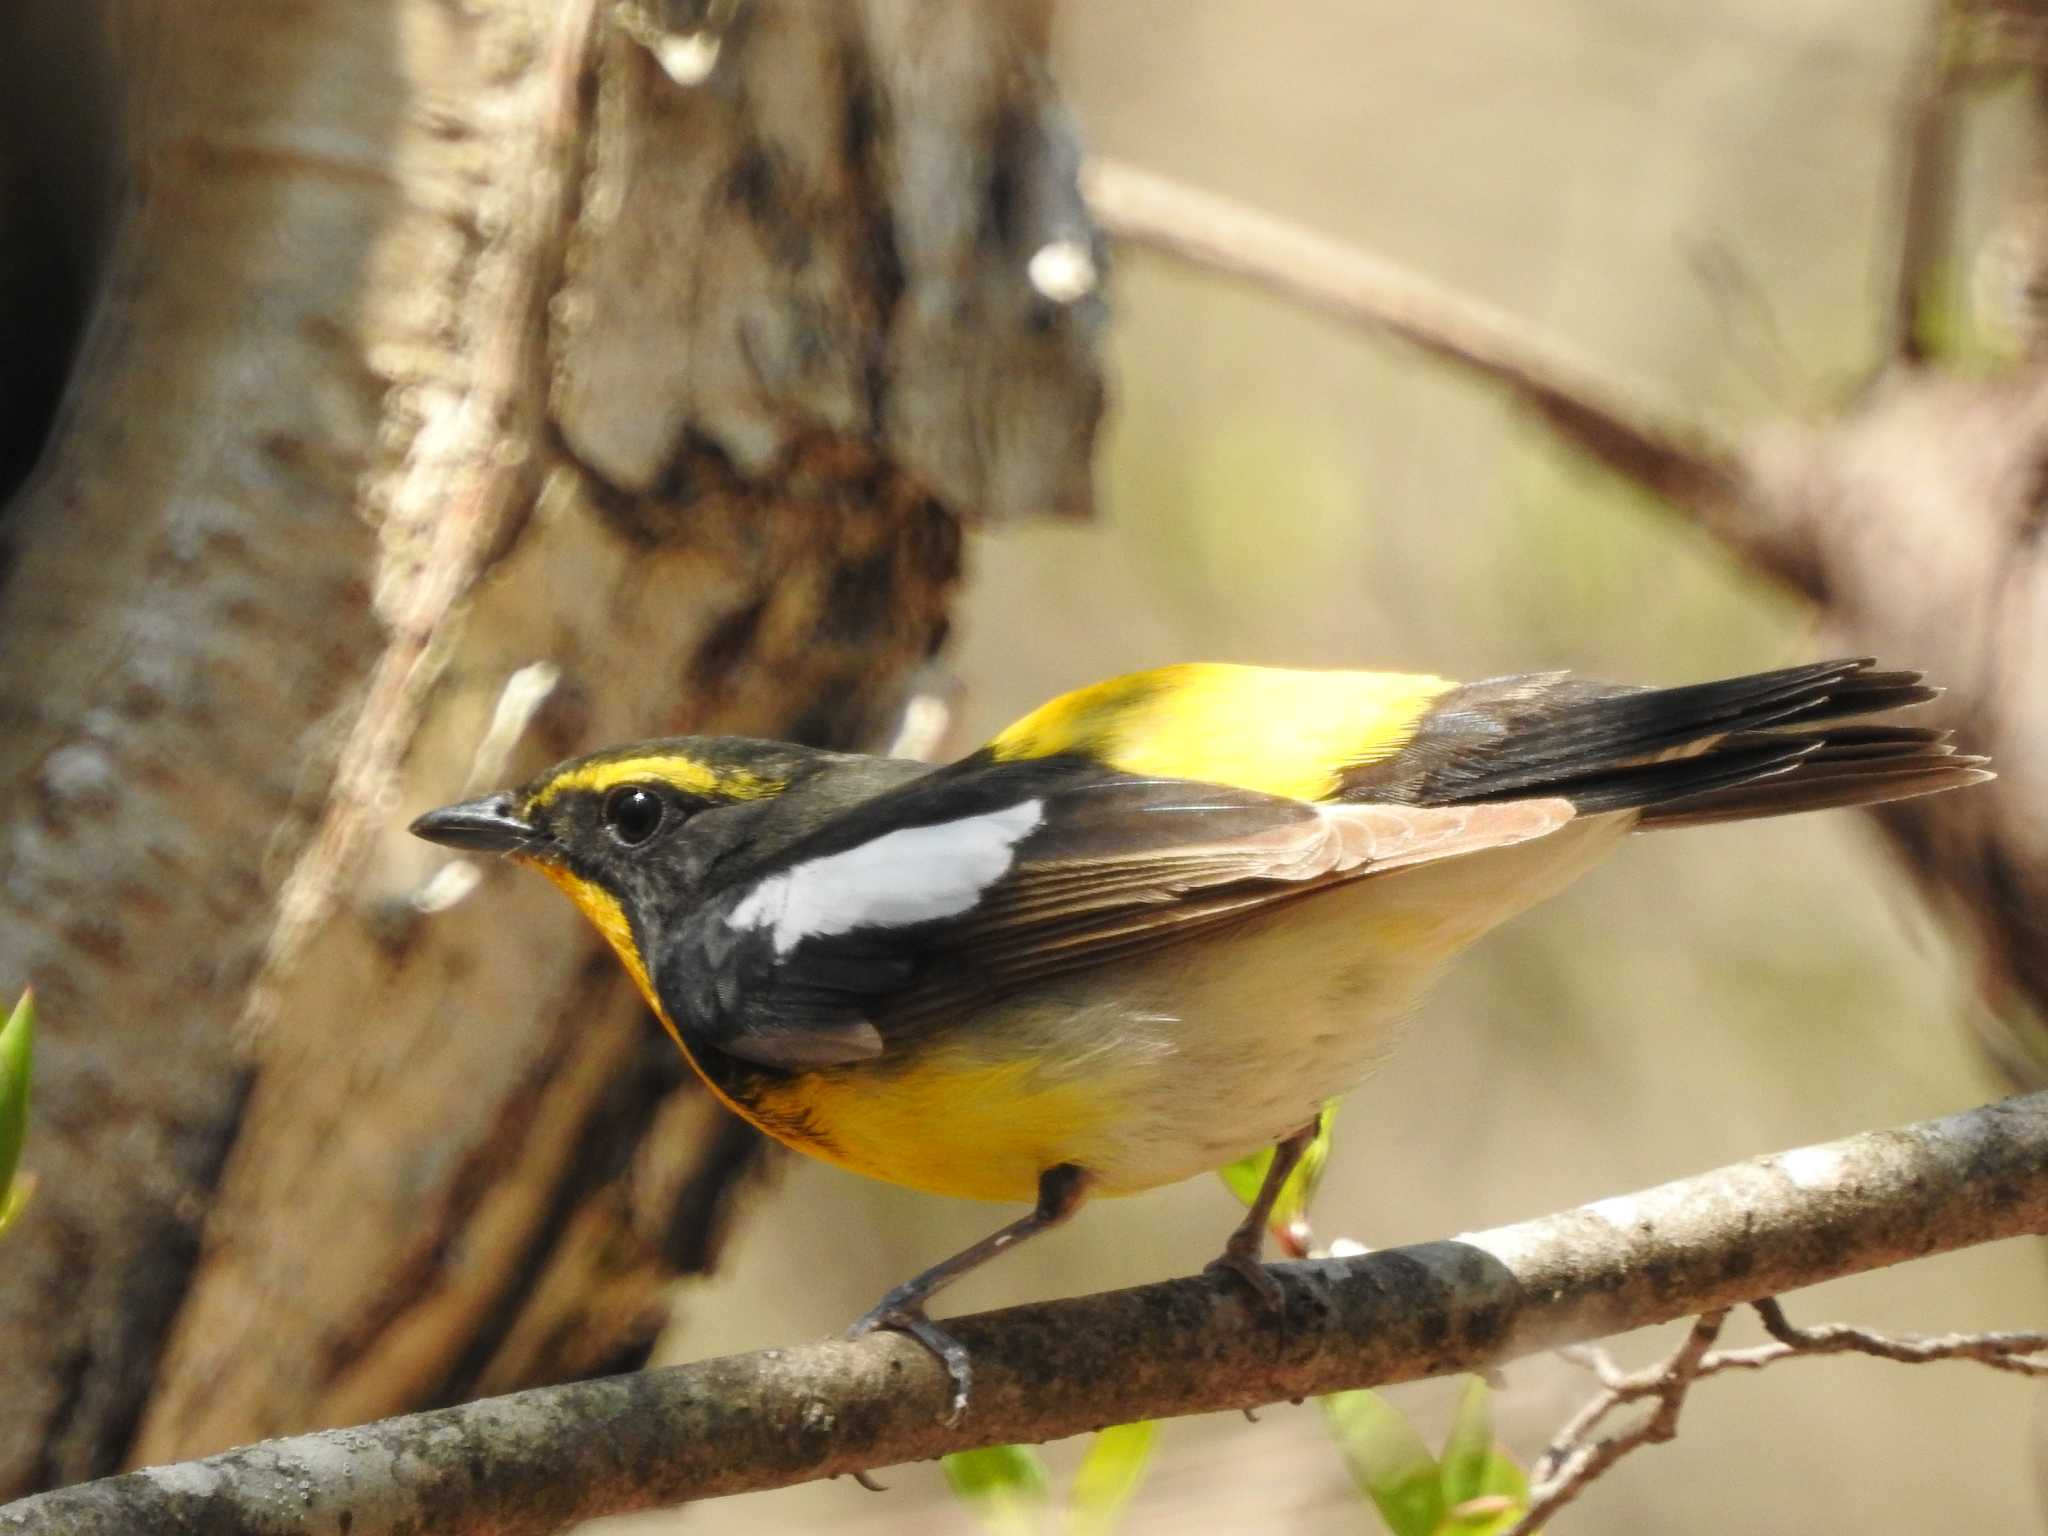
[(915, 875)]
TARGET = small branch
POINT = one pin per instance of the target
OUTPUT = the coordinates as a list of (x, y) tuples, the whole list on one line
[(1573, 1461), (2013, 1352), (1680, 460), (536, 1461)]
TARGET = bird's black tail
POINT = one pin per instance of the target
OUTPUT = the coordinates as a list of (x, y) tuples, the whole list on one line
[(1762, 745), (1850, 765)]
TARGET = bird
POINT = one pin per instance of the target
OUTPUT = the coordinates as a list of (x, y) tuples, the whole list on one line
[(1153, 926)]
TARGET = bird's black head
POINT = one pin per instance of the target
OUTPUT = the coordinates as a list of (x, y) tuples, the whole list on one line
[(623, 825)]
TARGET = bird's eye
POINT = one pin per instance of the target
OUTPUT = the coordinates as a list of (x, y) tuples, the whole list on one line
[(632, 813)]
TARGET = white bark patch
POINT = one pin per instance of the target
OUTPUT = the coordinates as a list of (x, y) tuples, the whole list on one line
[(690, 58), (1619, 1211), (449, 886), (916, 875), (1813, 1167), (1062, 271)]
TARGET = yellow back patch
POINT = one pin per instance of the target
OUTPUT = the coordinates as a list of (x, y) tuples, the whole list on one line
[(1267, 729)]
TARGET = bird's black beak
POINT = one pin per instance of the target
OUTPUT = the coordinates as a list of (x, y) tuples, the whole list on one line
[(489, 825)]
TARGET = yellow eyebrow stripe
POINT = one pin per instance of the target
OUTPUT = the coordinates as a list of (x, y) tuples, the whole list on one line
[(1267, 729), (684, 773)]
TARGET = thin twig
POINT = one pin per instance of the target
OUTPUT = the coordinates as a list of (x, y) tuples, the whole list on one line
[(1573, 1461), (536, 1461), (2014, 1352), (2001, 1351), (1755, 339), (1595, 1358)]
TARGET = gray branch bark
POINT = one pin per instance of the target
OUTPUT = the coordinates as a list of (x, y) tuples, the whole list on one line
[(539, 1460)]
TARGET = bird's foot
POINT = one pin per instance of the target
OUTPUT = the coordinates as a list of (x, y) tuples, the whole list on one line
[(902, 1314), (1234, 1260)]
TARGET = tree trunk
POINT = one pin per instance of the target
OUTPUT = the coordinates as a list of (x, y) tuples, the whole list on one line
[(464, 386)]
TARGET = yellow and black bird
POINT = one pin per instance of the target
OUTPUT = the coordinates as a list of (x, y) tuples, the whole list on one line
[(1154, 925)]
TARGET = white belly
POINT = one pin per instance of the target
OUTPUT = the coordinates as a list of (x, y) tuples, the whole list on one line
[(1225, 1045)]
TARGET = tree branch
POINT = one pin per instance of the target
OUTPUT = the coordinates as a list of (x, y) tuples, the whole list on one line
[(1616, 422), (536, 1461), (1926, 181)]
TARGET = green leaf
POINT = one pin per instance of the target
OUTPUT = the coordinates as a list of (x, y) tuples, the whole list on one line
[(1501, 1501), (1388, 1461), (1484, 1491), (1110, 1474), (1006, 1485), (1247, 1176), (1487, 1515), (1469, 1444), (17, 1046), (1505, 1478), (15, 1201)]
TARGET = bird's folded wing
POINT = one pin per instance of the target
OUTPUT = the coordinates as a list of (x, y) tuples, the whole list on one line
[(857, 938)]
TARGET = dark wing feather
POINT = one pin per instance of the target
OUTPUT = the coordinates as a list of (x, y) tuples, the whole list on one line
[(1113, 866)]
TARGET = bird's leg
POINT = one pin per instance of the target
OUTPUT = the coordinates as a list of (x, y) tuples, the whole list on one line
[(1242, 1253), (1060, 1192)]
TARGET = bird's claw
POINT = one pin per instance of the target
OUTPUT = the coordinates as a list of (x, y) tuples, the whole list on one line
[(1246, 1266), (901, 1316)]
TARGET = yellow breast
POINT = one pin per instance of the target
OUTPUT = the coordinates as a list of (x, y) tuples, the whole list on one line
[(943, 1121)]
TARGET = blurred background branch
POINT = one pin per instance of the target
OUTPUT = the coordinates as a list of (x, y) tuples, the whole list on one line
[(1612, 421)]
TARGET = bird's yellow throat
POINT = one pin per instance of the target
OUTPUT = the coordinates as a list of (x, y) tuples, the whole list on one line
[(895, 1125)]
